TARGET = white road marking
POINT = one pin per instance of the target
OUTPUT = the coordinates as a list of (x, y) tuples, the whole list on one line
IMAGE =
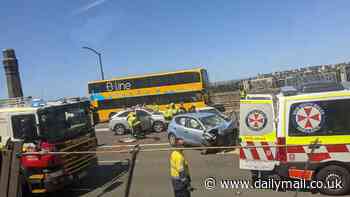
[(102, 129), (233, 152), (129, 145), (112, 161)]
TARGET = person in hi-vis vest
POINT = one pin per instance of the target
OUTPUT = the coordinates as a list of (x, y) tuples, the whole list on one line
[(179, 172)]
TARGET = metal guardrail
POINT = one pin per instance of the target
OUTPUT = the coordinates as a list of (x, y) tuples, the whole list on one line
[(10, 170), (129, 148), (30, 101), (16, 102)]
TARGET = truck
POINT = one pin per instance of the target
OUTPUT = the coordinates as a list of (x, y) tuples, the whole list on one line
[(64, 125), (298, 134)]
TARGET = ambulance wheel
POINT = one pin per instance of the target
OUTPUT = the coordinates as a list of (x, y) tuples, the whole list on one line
[(119, 129), (331, 176)]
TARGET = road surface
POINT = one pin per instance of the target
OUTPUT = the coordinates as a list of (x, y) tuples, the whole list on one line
[(151, 175)]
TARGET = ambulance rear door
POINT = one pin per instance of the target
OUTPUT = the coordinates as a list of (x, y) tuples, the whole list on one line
[(257, 128)]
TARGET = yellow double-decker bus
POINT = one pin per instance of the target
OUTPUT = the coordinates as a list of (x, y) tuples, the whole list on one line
[(186, 86)]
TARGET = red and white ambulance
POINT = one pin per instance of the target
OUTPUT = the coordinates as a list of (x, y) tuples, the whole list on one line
[(298, 135)]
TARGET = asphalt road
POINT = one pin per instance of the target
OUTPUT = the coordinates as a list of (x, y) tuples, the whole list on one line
[(151, 175)]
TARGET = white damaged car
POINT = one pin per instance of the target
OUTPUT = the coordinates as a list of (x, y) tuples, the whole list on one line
[(150, 121)]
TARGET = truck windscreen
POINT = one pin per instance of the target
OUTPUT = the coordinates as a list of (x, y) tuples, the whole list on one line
[(64, 123)]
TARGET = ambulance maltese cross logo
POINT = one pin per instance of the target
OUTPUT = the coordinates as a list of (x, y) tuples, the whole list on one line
[(256, 120), (308, 117)]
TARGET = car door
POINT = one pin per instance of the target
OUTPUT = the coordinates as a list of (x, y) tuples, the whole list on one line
[(145, 118), (195, 131), (121, 118), (179, 128)]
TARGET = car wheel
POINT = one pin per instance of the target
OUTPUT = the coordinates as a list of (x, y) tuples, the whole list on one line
[(158, 126), (172, 139), (119, 129), (332, 175)]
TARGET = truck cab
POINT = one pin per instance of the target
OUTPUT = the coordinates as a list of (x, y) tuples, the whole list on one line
[(49, 126)]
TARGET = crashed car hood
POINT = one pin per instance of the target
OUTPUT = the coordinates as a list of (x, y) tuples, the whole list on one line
[(224, 128)]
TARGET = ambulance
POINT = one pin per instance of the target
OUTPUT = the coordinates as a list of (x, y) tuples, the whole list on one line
[(298, 134)]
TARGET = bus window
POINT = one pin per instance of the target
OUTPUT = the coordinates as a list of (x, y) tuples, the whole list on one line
[(205, 78)]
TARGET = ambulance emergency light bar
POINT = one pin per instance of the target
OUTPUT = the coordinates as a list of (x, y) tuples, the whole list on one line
[(320, 86)]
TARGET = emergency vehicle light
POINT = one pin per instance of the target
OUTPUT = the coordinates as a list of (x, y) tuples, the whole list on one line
[(38, 103), (289, 90), (321, 86)]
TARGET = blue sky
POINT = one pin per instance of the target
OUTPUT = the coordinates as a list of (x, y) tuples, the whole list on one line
[(232, 39)]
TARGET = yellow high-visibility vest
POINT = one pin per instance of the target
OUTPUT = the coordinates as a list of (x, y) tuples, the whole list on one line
[(178, 164), (168, 114), (156, 108), (132, 119), (174, 111), (243, 94)]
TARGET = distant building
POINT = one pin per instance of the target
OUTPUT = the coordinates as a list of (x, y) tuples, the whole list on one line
[(246, 84), (295, 77), (263, 83), (224, 86), (344, 73)]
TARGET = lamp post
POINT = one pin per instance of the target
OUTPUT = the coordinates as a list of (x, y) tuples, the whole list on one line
[(99, 60)]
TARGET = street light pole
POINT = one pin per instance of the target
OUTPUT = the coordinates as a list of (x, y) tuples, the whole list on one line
[(99, 60)]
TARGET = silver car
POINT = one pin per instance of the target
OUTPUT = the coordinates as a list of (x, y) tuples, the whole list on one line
[(201, 129), (150, 120)]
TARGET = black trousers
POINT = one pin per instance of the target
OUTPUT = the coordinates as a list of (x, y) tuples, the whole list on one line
[(182, 193), (137, 129)]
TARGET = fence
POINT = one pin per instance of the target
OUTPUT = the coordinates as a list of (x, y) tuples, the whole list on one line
[(10, 170), (230, 100)]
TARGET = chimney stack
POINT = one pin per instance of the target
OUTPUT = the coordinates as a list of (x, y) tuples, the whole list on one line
[(13, 79)]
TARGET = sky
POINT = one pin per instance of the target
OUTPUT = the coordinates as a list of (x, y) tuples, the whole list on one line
[(232, 39)]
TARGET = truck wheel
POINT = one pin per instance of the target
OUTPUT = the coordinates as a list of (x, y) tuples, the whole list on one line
[(158, 126), (119, 129), (172, 139), (331, 176)]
